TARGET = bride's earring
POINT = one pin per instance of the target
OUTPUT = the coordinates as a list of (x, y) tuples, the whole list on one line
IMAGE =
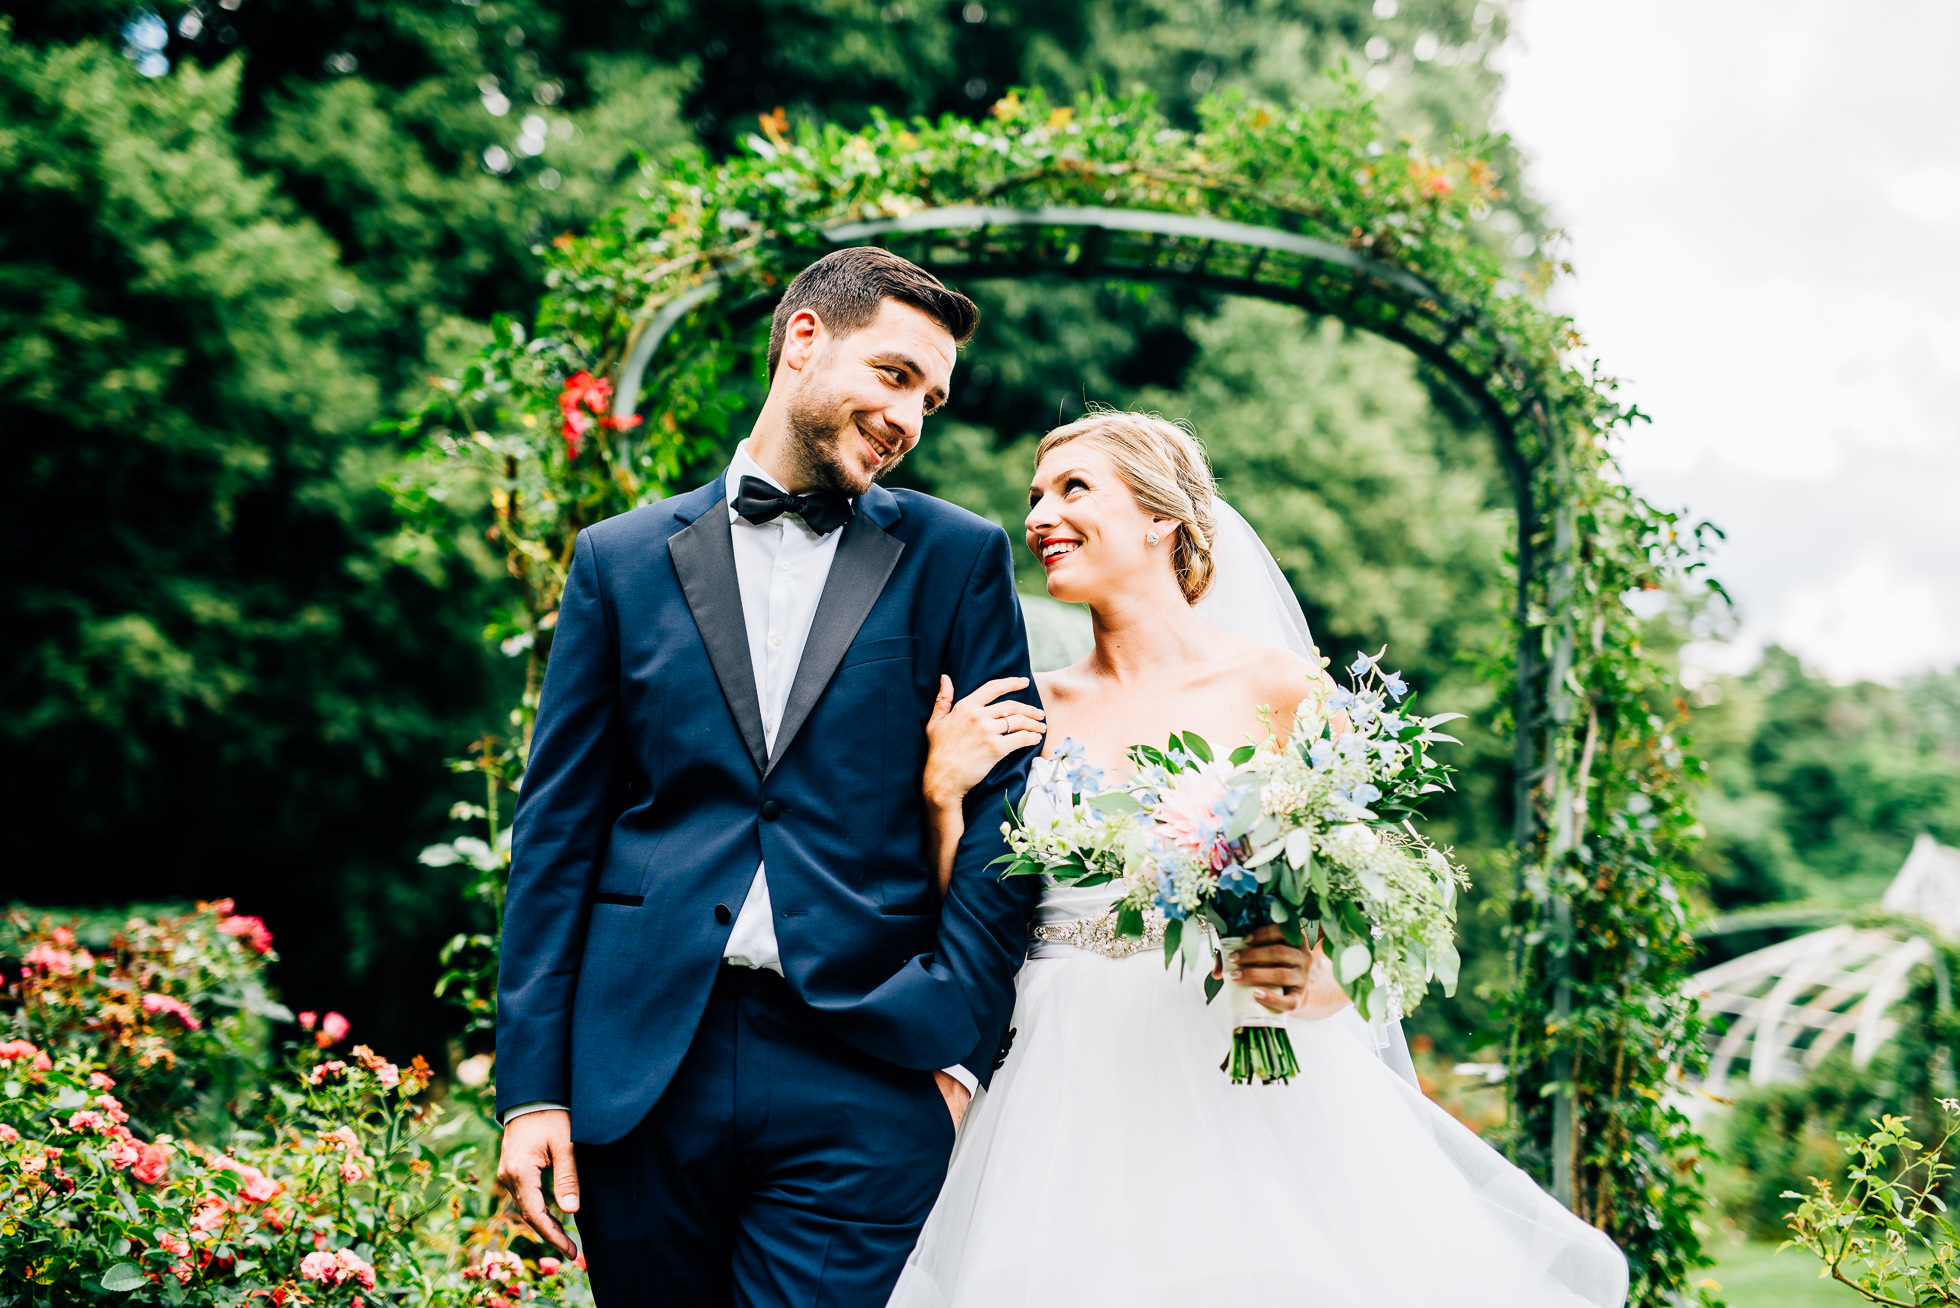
[(1150, 537)]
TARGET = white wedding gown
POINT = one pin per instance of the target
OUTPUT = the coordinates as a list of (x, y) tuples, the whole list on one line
[(1112, 1162)]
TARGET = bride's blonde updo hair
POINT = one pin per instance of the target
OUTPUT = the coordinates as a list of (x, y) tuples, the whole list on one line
[(1166, 470)]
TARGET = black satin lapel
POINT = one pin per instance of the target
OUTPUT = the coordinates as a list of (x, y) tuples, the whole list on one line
[(704, 559), (864, 562)]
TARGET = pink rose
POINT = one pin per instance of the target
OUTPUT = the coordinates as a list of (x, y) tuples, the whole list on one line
[(320, 1266), (152, 1163), (172, 1243), (97, 1081), (353, 1268), (88, 1120), (549, 1266), (14, 1049), (249, 929), (7, 1134), (350, 1171), (388, 1074), (502, 1266), (123, 1149), (58, 961), (255, 1186), (63, 937), (333, 1029), (307, 1020), (175, 1007)]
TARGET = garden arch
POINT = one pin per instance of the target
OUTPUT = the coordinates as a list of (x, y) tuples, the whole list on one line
[(1311, 207)]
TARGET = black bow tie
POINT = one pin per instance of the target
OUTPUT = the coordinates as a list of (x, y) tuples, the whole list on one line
[(822, 511)]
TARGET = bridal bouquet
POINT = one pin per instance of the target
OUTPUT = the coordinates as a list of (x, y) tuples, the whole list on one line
[(1315, 835)]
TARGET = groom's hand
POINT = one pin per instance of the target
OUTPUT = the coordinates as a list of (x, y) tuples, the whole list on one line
[(533, 1142), (956, 1095)]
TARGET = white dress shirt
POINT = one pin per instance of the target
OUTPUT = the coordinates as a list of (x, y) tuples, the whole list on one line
[(780, 568)]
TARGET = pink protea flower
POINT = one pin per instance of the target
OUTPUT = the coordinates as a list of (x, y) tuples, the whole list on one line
[(1184, 812), (251, 930), (152, 1163), (333, 1029), (177, 1008)]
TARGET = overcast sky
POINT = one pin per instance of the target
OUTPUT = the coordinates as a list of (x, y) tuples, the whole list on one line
[(1762, 200)]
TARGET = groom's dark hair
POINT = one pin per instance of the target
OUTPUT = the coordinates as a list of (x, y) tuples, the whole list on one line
[(845, 288)]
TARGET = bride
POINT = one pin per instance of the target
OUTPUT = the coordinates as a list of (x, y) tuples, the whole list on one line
[(1112, 1162)]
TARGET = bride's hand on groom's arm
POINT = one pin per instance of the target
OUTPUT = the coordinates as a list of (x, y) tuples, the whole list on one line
[(534, 1142), (965, 739)]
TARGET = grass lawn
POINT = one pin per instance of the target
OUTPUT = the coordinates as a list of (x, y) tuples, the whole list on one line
[(1757, 1276)]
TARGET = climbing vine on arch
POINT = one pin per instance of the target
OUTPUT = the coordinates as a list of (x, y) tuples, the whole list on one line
[(531, 445)]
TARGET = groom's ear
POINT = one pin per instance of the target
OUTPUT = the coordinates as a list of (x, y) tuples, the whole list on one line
[(803, 337)]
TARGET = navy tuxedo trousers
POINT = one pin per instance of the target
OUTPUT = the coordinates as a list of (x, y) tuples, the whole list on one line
[(782, 1166)]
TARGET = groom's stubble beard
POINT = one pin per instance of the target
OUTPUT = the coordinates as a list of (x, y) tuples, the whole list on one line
[(815, 422)]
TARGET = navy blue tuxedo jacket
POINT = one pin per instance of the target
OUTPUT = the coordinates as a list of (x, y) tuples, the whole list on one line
[(649, 801)]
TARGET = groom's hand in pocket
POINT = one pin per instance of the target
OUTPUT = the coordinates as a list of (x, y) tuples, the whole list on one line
[(956, 1095), (535, 1142)]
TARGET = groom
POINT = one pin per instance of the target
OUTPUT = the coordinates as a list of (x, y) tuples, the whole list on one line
[(733, 1021)]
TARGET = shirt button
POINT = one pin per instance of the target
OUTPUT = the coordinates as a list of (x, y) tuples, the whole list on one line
[(722, 915), (776, 641), (771, 810), (783, 566)]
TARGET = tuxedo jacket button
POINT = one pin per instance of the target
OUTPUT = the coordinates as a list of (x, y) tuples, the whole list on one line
[(771, 810), (722, 915)]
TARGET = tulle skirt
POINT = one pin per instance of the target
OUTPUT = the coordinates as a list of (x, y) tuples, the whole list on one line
[(1113, 1163)]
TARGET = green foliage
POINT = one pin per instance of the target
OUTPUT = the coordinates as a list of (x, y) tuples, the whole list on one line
[(1887, 1236), (1816, 791), (1777, 1137)]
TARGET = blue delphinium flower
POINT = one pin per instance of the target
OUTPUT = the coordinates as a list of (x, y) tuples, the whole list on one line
[(1237, 880), (1392, 683), (1321, 752), (1366, 794), (1363, 664), (1167, 898), (1392, 724), (1339, 698), (1086, 779)]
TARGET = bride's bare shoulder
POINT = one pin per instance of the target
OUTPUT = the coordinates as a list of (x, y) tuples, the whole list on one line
[(1279, 678)]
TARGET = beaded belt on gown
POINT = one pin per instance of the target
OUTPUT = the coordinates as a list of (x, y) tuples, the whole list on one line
[(1097, 935)]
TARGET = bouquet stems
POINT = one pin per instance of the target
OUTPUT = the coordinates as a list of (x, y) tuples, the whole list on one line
[(1261, 1053), (1261, 1048)]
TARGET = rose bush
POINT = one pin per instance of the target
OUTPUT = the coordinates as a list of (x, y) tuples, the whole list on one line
[(327, 1177)]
